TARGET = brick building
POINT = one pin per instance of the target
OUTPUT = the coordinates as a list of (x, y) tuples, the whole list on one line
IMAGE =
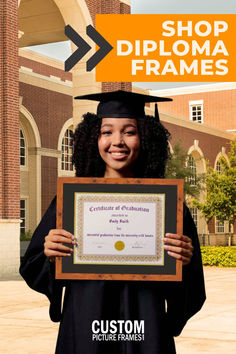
[(46, 125), (45, 92), (212, 104), (209, 108), (38, 114), (38, 22)]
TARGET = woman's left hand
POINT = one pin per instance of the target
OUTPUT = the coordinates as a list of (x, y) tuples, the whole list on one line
[(179, 247)]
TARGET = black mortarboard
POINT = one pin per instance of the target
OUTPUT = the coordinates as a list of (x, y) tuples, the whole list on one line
[(122, 104)]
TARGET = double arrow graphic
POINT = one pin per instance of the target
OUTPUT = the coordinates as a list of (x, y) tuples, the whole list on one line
[(84, 48)]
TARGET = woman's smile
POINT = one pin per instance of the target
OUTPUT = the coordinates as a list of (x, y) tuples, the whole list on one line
[(119, 154)]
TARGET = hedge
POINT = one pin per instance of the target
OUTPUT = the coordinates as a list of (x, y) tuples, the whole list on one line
[(26, 236), (218, 256)]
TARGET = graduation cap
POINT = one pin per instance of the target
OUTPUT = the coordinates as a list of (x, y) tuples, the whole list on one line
[(122, 104)]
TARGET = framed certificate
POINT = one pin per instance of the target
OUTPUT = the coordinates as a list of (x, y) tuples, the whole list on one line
[(119, 226)]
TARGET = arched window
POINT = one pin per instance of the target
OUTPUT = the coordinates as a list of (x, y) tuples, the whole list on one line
[(22, 149), (218, 167), (221, 164), (66, 148), (192, 165)]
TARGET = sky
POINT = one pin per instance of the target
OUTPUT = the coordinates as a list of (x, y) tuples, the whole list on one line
[(62, 51), (183, 6)]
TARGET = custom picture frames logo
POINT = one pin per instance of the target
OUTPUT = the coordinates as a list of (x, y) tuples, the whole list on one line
[(120, 330)]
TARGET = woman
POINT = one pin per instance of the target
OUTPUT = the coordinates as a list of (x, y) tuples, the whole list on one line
[(120, 141)]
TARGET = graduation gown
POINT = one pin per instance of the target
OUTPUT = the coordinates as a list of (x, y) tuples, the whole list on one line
[(165, 307)]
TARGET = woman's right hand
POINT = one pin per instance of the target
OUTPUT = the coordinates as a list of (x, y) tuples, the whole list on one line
[(53, 245)]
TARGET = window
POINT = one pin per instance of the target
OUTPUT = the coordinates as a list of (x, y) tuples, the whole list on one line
[(192, 166), (193, 212), (221, 164), (66, 160), (220, 226), (22, 149), (196, 111), (218, 167), (22, 215)]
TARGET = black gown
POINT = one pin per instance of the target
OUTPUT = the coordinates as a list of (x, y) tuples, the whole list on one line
[(89, 300)]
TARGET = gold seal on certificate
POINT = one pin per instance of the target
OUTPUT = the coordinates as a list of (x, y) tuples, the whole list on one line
[(119, 228), (119, 245)]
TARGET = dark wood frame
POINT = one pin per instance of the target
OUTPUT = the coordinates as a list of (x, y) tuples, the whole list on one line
[(177, 276)]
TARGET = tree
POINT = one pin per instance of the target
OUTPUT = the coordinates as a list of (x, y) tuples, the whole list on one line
[(178, 167), (220, 199)]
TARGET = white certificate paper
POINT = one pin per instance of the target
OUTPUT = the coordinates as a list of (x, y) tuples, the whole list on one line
[(119, 228)]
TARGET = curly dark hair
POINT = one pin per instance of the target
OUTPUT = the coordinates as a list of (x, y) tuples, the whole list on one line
[(154, 148)]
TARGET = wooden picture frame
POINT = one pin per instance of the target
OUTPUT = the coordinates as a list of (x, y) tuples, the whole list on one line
[(81, 201)]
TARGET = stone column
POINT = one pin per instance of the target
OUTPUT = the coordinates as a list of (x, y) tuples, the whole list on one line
[(9, 141), (115, 7)]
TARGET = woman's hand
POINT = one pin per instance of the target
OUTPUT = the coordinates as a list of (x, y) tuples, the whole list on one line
[(179, 247), (53, 245)]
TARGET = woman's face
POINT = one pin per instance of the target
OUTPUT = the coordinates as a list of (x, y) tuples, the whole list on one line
[(119, 146)]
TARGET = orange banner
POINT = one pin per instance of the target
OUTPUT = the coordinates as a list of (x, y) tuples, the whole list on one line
[(150, 48)]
